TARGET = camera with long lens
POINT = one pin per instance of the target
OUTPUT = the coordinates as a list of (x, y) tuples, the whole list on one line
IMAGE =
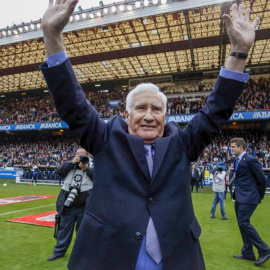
[(84, 159), (71, 197)]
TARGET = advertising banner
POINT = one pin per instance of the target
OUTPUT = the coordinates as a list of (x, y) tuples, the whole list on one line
[(184, 118)]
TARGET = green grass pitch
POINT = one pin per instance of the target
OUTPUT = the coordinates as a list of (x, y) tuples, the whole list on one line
[(27, 247)]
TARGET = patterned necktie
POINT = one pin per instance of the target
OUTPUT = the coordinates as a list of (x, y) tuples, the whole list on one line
[(149, 157), (152, 244)]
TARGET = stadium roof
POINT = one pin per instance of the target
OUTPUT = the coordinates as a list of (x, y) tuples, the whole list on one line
[(152, 40)]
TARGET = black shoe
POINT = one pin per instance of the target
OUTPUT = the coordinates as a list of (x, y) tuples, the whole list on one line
[(225, 218), (53, 257), (262, 259), (242, 257)]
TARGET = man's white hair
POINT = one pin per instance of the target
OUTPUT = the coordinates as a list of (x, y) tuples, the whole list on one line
[(143, 88)]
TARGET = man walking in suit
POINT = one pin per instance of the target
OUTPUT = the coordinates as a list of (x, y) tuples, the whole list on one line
[(250, 185), (140, 214)]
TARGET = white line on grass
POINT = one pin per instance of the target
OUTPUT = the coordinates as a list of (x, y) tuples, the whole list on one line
[(22, 210)]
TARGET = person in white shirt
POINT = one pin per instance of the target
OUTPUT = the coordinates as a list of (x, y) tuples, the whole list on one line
[(219, 188)]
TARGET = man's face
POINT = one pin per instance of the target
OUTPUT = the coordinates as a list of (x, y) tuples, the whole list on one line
[(146, 118), (237, 150)]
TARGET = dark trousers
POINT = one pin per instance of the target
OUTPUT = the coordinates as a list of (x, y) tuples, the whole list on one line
[(34, 178), (231, 191), (193, 183), (69, 217), (200, 183), (249, 235)]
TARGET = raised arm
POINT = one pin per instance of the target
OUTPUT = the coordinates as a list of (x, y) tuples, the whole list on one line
[(53, 22), (221, 102), (241, 33)]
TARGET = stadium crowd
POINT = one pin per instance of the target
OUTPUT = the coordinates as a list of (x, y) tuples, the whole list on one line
[(258, 145), (41, 109), (51, 151), (41, 151)]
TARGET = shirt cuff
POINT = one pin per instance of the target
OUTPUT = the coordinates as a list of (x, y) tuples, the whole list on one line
[(234, 75), (56, 59)]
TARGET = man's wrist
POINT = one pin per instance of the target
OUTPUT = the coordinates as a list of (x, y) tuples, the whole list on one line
[(56, 59)]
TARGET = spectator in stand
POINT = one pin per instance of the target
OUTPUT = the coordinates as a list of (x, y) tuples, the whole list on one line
[(41, 109)]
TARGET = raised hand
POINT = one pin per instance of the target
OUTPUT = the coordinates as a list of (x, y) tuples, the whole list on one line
[(53, 22), (241, 32), (76, 159), (57, 15)]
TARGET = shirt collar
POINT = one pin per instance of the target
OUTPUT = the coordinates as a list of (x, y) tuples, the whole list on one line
[(240, 157)]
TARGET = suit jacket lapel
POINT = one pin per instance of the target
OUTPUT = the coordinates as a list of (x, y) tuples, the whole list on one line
[(137, 147), (161, 145)]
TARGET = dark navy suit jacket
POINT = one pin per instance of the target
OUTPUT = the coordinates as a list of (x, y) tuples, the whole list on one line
[(123, 197), (250, 181)]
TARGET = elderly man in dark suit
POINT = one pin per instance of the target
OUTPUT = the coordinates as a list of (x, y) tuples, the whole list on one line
[(140, 215), (250, 185)]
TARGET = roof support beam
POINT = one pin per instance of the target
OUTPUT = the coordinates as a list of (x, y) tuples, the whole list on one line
[(190, 40), (133, 52)]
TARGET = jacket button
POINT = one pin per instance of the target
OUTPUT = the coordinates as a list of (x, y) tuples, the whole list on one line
[(138, 236), (151, 200)]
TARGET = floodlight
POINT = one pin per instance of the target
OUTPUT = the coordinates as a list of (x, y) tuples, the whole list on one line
[(129, 7), (77, 17), (32, 26), (83, 15), (163, 2), (105, 10), (137, 4), (155, 2), (146, 3), (98, 14), (113, 9), (91, 15), (121, 7)]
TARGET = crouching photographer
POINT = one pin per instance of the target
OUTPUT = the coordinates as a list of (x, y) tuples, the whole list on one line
[(72, 199)]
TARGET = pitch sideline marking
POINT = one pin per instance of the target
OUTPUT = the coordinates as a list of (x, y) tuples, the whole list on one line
[(22, 210)]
